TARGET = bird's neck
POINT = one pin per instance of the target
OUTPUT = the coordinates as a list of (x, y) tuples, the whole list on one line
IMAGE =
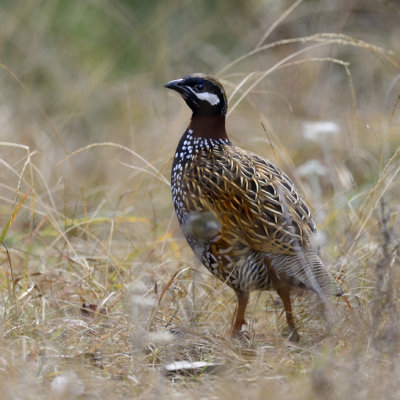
[(210, 127)]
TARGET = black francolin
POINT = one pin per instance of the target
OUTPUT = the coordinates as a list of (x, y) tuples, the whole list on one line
[(241, 214)]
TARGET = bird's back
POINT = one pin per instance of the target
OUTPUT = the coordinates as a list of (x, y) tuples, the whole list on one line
[(266, 229)]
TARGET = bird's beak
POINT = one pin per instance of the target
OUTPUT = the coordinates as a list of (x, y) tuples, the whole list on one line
[(175, 85)]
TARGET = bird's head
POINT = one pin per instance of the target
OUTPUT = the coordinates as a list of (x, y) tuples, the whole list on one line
[(202, 93)]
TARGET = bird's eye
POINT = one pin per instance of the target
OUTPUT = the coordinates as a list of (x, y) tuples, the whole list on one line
[(200, 87)]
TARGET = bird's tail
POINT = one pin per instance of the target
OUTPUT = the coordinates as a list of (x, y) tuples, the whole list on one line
[(306, 270)]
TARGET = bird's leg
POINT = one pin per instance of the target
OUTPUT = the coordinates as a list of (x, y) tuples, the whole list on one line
[(243, 299), (284, 294)]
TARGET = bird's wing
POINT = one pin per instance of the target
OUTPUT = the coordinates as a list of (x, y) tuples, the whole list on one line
[(255, 201)]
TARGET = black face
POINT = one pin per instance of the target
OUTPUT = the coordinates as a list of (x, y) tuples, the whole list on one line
[(203, 94)]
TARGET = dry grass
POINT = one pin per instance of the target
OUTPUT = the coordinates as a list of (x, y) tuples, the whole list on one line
[(99, 290)]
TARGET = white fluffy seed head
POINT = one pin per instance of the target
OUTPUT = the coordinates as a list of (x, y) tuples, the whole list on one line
[(67, 385)]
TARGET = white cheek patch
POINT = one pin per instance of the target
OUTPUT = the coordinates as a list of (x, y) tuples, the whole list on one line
[(211, 98)]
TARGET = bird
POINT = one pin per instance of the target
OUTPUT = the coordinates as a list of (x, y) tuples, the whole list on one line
[(240, 213)]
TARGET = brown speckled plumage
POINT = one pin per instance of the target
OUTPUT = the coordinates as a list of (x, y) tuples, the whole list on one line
[(241, 214)]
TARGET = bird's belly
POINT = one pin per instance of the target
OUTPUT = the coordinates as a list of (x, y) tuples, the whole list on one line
[(242, 270), (223, 253)]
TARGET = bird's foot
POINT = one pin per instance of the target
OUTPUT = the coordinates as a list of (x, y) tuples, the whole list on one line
[(293, 335), (239, 334)]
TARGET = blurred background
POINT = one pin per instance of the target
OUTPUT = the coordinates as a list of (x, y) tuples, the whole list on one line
[(82, 72), (87, 138)]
